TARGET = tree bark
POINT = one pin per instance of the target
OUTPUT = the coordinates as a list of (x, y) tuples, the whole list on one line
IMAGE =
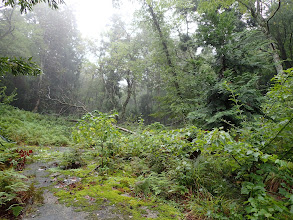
[(129, 92), (255, 9), (165, 48), (135, 98)]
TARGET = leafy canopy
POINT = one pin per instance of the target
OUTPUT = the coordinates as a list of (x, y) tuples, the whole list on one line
[(27, 5)]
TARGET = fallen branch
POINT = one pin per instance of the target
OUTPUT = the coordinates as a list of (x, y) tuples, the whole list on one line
[(119, 128), (65, 103), (124, 129)]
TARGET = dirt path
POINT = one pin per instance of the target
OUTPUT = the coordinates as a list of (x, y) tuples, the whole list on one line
[(51, 209), (100, 196)]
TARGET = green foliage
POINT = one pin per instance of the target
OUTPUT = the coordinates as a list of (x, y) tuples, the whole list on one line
[(18, 66), (248, 165), (11, 183), (282, 29), (232, 101), (241, 168), (27, 5), (35, 129), (4, 98), (95, 129), (12, 156), (157, 184), (156, 126), (72, 159), (60, 60), (98, 130), (261, 155)]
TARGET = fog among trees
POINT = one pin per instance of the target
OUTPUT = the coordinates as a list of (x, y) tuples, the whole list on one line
[(169, 64), (202, 88)]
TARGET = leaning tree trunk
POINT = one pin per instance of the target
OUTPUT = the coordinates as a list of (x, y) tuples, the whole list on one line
[(256, 12), (165, 49)]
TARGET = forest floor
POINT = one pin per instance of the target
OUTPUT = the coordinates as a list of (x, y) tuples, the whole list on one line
[(66, 194), (51, 209), (71, 182)]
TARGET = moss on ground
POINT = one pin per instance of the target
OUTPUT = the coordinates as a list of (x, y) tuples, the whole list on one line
[(94, 193)]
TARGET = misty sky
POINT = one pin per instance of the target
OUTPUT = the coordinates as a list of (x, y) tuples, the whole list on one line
[(93, 15)]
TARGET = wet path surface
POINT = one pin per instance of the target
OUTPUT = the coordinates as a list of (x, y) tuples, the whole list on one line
[(50, 209), (46, 176)]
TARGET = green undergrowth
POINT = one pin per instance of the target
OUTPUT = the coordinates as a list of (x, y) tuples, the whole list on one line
[(156, 172), (242, 173), (16, 190), (26, 137), (95, 192), (97, 189), (32, 128)]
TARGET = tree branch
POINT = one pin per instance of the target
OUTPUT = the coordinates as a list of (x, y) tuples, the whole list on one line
[(64, 103), (271, 141), (124, 129), (241, 2), (275, 12)]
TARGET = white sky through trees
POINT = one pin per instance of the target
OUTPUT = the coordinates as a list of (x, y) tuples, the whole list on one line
[(93, 15)]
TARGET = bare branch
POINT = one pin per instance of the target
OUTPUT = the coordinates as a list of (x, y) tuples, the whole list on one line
[(275, 12), (241, 2), (65, 103), (123, 129)]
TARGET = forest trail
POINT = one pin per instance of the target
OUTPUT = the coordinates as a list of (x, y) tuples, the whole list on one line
[(50, 209), (43, 178)]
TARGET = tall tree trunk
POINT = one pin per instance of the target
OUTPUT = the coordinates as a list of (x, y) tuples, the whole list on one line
[(283, 54), (135, 98), (165, 49), (255, 9), (129, 92), (36, 108), (276, 58)]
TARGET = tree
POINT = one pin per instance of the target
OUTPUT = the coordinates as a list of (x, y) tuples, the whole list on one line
[(18, 66), (60, 59), (256, 9), (52, 38), (281, 28), (241, 63), (17, 41), (15, 65), (120, 64), (164, 43)]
